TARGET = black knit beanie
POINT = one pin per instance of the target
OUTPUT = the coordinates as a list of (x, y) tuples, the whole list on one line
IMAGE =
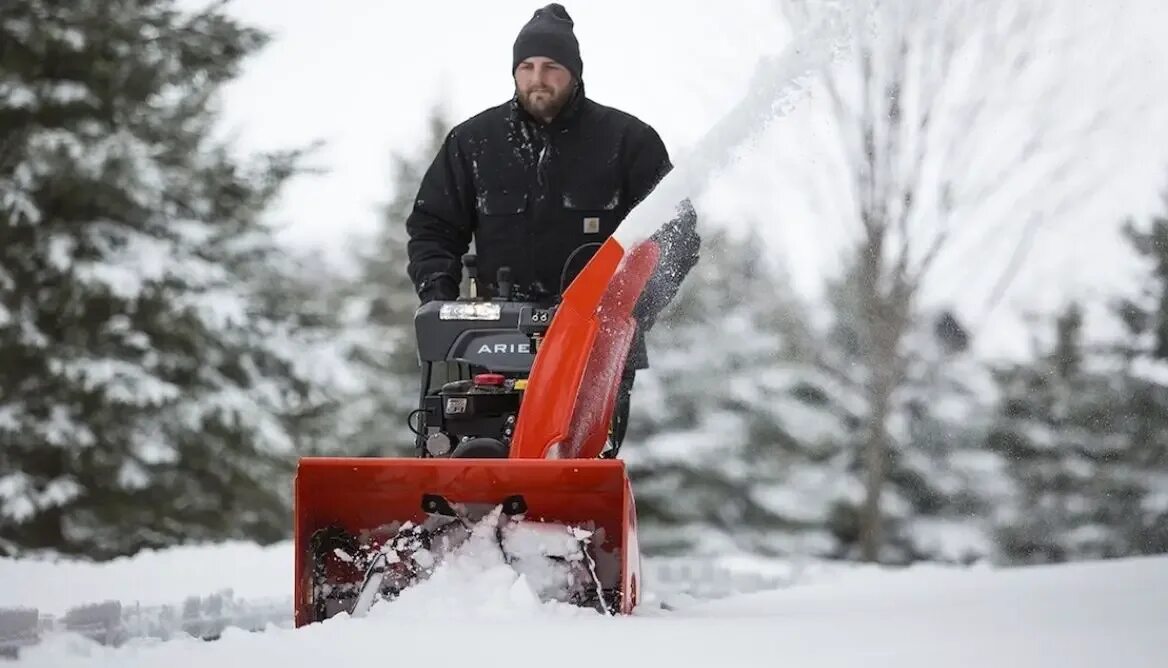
[(549, 34)]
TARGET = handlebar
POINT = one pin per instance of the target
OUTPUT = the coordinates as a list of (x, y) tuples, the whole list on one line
[(508, 291)]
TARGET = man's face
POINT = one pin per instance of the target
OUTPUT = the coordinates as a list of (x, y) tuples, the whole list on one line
[(544, 87)]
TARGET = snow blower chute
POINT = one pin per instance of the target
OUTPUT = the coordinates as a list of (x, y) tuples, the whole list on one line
[(513, 431)]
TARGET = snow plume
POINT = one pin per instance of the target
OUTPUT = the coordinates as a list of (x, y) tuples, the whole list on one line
[(776, 86)]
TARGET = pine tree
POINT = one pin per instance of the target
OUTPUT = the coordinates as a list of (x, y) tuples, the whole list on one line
[(1143, 503), (378, 307), (296, 288), (1061, 429), (1086, 432), (729, 445), (147, 385), (945, 481)]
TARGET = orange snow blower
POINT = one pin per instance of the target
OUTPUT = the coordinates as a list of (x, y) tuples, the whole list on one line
[(513, 430)]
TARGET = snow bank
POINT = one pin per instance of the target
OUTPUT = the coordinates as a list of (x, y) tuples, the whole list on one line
[(1090, 614), (150, 578), (477, 611)]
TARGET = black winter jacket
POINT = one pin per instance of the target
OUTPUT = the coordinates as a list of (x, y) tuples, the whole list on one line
[(540, 199)]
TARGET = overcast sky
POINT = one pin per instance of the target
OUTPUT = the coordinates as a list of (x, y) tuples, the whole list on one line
[(362, 75)]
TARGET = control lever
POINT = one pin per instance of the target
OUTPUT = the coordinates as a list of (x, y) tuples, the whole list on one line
[(505, 284), (471, 263)]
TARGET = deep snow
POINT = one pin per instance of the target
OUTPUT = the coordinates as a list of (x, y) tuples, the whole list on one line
[(479, 613)]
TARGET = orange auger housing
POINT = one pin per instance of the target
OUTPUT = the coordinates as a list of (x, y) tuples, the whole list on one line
[(551, 471)]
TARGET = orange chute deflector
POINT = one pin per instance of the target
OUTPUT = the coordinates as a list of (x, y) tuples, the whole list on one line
[(561, 431), (573, 383)]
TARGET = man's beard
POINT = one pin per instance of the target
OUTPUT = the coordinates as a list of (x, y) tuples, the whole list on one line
[(547, 106)]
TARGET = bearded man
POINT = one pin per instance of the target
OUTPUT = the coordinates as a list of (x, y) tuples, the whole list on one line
[(539, 182)]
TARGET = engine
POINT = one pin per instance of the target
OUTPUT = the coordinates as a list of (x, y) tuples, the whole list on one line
[(476, 354), (476, 417)]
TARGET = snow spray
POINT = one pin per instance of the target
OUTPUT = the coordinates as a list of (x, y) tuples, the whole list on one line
[(778, 82)]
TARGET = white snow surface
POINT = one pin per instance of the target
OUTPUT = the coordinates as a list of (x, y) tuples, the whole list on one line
[(151, 577), (479, 612)]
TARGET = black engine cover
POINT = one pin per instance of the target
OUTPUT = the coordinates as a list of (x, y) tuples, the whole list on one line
[(497, 344)]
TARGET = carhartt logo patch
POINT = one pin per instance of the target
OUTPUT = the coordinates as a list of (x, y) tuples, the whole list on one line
[(591, 225)]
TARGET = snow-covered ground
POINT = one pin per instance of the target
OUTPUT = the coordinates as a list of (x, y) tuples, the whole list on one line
[(150, 578), (479, 613)]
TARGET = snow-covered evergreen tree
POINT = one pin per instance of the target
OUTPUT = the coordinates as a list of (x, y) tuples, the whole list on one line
[(730, 446), (147, 384), (945, 482), (377, 308), (296, 288), (1061, 428), (1143, 356), (1086, 432), (747, 431)]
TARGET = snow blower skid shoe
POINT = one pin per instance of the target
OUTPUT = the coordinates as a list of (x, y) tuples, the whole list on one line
[(514, 421)]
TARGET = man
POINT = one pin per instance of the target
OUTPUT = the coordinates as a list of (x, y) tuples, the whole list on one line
[(539, 182)]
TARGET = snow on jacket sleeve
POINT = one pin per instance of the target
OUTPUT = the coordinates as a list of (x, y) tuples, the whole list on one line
[(441, 225)]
